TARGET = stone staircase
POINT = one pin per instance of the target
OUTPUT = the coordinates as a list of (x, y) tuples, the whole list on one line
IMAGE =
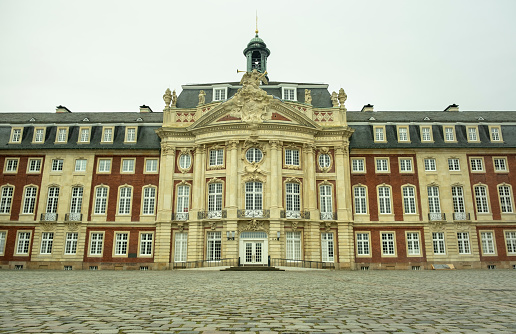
[(252, 268)]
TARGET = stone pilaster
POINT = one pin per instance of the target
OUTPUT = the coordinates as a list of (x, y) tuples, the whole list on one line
[(162, 242), (199, 186), (232, 179), (342, 190), (309, 191), (166, 182)]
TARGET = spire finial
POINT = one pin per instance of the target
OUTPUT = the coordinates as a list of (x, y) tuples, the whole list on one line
[(256, 31)]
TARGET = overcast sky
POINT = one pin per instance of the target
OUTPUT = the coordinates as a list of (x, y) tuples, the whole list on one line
[(397, 55)]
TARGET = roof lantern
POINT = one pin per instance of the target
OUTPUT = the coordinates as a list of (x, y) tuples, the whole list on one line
[(256, 53)]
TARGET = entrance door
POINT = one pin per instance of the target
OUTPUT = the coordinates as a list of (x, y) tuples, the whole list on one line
[(253, 252)]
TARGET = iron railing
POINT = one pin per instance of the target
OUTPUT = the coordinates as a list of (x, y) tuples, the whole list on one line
[(328, 215), (180, 216), (436, 216), (302, 264), (293, 214), (73, 217), (206, 263), (49, 217), (253, 213), (217, 214), (460, 216)]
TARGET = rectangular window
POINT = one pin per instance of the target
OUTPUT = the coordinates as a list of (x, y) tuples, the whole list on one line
[(96, 243), (130, 135), (76, 202), (52, 199), (434, 205), (453, 164), (388, 244), (477, 164), (458, 200), (121, 241), (146, 243), (472, 134), (289, 94), (3, 236), (29, 200), (6, 200), (438, 242), (293, 199), (124, 201), (510, 241), (107, 135), (57, 165), (23, 243), (426, 133), (363, 244), (128, 165), (403, 134), (505, 198), (183, 200), (405, 165), (358, 165), (47, 239), (16, 135), (360, 199), (101, 195), (80, 165), (382, 165), (11, 165), (384, 199), (149, 200), (291, 157), (39, 135), (430, 165), (481, 199), (327, 247), (215, 197), (217, 157), (84, 135), (151, 165), (34, 166), (253, 196), (293, 240), (62, 135), (409, 199), (71, 243), (214, 244), (449, 134), (487, 243), (379, 134), (219, 94), (496, 133), (104, 165), (413, 247), (325, 200), (463, 240), (500, 164), (180, 247)]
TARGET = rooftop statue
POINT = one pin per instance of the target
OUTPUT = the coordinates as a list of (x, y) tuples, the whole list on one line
[(202, 97), (253, 78), (308, 96), (342, 98), (334, 99), (167, 97), (174, 99), (250, 102)]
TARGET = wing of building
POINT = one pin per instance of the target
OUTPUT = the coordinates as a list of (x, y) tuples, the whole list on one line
[(257, 172)]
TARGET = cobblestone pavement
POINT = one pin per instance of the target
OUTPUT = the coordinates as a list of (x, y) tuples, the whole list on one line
[(467, 301)]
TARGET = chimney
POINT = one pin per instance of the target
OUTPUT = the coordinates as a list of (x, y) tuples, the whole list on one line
[(368, 108), (145, 108), (452, 107), (60, 109)]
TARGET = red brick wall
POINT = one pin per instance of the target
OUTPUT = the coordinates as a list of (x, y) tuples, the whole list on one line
[(401, 245), (114, 179), (10, 243), (499, 236), (109, 240), (19, 180), (395, 179)]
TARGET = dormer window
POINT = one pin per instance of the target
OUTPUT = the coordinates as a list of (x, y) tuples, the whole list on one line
[(220, 93), (16, 135), (289, 93)]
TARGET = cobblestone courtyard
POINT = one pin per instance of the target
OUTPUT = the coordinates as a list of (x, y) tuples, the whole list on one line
[(259, 302)]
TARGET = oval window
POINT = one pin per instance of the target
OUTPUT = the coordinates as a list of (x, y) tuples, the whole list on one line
[(324, 160), (185, 161), (254, 155)]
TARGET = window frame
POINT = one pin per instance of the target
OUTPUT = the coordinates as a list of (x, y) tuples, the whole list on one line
[(407, 134), (452, 133), (217, 89), (34, 135), (134, 136), (3, 241), (289, 157), (180, 162), (458, 202), (293, 245), (215, 199), (81, 129), (123, 167), (57, 165), (145, 242), (472, 130), (363, 242), (253, 195), (409, 241), (285, 90), (29, 163), (510, 242), (149, 202), (126, 212), (181, 244), (253, 153), (506, 199), (71, 243), (358, 170), (218, 161), (379, 130), (434, 198), (422, 134), (47, 242), (53, 194), (499, 133), (389, 241), (428, 166), (27, 242), (328, 247), (388, 165), (402, 164), (146, 169), (76, 199), (295, 197), (102, 199), (16, 135), (496, 163), (118, 244), (463, 244), (475, 164), (457, 160), (58, 135), (481, 199), (410, 197), (104, 132), (363, 200), (323, 157), (110, 165), (213, 246), (96, 241), (16, 165), (83, 161), (439, 242), (484, 242), (181, 198), (386, 199), (33, 199), (6, 208)]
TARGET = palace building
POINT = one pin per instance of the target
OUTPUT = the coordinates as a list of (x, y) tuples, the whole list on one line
[(257, 172)]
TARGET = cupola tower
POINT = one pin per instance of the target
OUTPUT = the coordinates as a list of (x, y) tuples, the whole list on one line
[(256, 53)]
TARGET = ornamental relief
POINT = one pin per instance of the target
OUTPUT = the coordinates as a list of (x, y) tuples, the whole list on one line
[(462, 225), (72, 225), (254, 225), (167, 149), (437, 225), (326, 226), (48, 226), (252, 172)]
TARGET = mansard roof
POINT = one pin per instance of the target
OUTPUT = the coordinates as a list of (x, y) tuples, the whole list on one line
[(86, 118), (433, 116)]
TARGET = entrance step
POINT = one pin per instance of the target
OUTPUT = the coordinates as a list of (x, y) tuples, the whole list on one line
[(252, 268)]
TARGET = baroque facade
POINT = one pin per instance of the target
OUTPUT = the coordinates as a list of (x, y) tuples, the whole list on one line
[(257, 172)]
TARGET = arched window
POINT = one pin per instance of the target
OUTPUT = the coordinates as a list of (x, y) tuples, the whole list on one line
[(7, 199)]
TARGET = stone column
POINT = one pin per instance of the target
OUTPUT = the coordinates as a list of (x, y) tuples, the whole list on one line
[(232, 178), (162, 244), (275, 185), (343, 183), (166, 182), (198, 182), (309, 191)]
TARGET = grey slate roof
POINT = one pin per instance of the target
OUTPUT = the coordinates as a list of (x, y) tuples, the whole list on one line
[(78, 117), (435, 116)]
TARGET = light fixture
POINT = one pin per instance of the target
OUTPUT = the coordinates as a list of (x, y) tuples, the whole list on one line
[(230, 235), (278, 235)]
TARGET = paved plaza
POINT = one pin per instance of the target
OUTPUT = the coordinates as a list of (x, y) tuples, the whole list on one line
[(196, 301)]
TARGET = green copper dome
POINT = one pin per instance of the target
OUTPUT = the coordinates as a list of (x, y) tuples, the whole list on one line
[(257, 43)]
